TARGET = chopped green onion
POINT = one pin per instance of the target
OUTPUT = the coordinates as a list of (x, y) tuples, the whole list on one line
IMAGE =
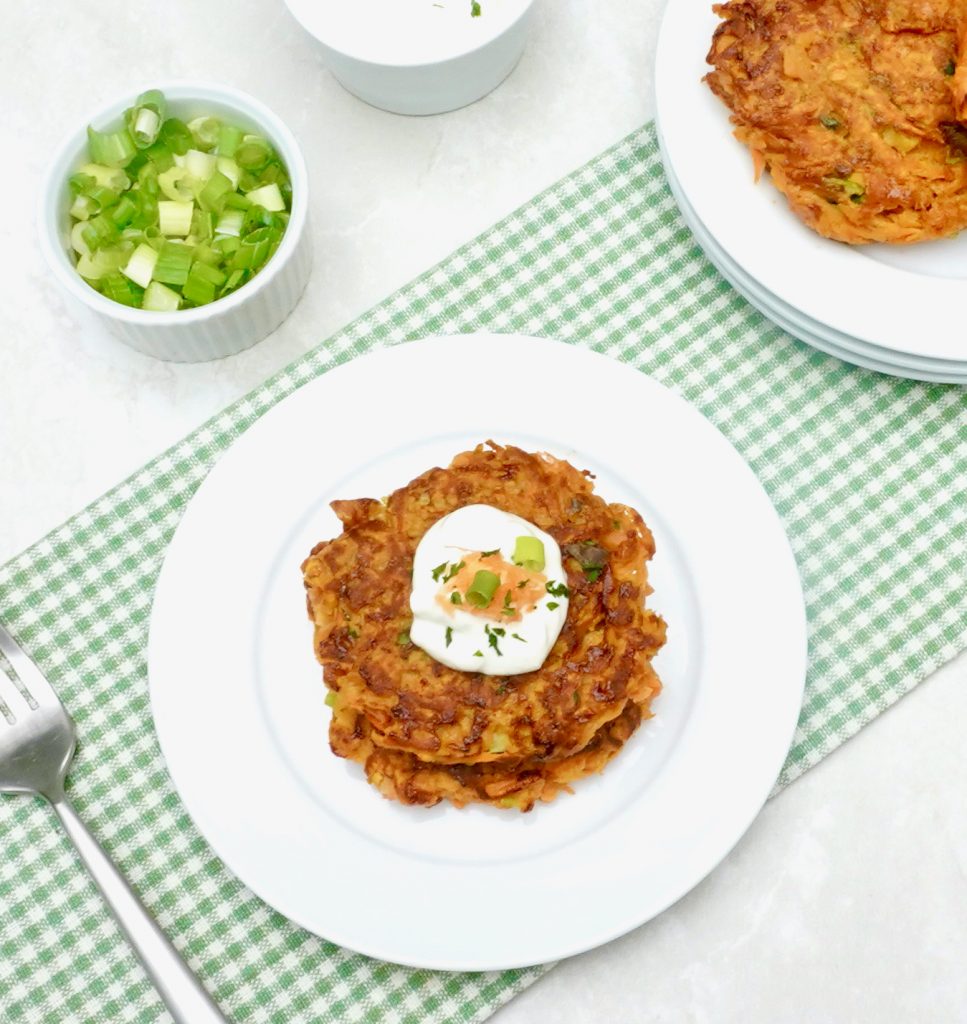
[(202, 283), (173, 263), (175, 135), (227, 166), (529, 552), (205, 131), (145, 117), (230, 223), (174, 183), (119, 289), (268, 196), (229, 137), (141, 265), (100, 263), (481, 592), (199, 165), (499, 743), (106, 177), (455, 598), (174, 218), (114, 149), (202, 226), (253, 153), (160, 298), (254, 250), (212, 196), (160, 156), (331, 699)]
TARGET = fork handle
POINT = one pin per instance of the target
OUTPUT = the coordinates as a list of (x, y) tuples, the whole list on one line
[(182, 993)]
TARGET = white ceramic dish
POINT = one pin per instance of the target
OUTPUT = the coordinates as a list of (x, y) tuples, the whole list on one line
[(221, 328), (835, 285), (850, 350), (238, 699), (417, 56)]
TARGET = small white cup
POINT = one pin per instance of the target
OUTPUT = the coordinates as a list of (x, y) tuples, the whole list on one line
[(228, 325), (415, 56)]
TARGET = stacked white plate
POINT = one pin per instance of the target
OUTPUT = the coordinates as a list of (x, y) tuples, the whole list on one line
[(900, 310)]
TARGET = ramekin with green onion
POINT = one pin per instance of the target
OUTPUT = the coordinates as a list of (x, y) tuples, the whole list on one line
[(178, 215)]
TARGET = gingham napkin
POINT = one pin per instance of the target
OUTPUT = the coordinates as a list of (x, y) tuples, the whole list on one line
[(866, 471)]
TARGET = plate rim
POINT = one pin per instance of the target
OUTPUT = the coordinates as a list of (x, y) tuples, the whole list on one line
[(623, 924)]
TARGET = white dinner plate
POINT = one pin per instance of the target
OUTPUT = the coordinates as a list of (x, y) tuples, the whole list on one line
[(905, 298), (938, 371), (238, 699)]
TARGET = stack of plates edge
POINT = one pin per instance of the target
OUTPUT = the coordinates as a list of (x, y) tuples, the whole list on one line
[(892, 315)]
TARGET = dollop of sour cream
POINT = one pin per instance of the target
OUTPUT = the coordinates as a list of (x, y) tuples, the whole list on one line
[(516, 629)]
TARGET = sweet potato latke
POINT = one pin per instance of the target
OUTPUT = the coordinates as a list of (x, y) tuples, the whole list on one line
[(425, 732), (853, 106)]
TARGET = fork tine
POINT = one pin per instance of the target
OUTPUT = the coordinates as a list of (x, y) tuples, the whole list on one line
[(27, 672), (11, 696)]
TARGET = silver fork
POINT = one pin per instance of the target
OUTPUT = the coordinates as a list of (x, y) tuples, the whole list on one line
[(37, 742)]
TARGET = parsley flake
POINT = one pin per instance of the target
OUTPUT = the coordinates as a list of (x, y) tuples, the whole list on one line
[(508, 608), (449, 635), (438, 572), (475, 10), (520, 638), (557, 589), (403, 638), (478, 654), (452, 571), (489, 554), (455, 598), (552, 605), (522, 584), (492, 637)]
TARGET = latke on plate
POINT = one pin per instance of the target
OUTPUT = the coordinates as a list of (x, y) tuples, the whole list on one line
[(425, 732), (853, 107)]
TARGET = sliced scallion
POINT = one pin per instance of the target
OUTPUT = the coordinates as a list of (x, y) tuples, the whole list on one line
[(160, 298), (113, 149), (174, 218), (173, 263), (529, 552), (481, 592), (205, 132), (141, 265)]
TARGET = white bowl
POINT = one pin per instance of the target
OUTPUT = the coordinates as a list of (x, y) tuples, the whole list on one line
[(228, 325), (417, 56)]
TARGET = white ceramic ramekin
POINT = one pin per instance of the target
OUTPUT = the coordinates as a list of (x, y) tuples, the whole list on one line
[(394, 55), (221, 328)]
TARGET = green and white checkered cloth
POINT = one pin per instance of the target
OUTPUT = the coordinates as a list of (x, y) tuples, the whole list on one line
[(866, 471)]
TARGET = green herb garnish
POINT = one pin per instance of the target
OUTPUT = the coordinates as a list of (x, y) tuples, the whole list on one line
[(552, 605), (520, 638), (522, 584), (475, 10), (489, 554), (353, 633), (438, 572), (829, 121), (455, 598), (557, 589), (949, 68), (403, 638), (449, 635), (478, 654), (508, 608), (452, 571), (492, 636)]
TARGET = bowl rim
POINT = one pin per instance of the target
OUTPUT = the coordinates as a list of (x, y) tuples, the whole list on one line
[(416, 63), (66, 158)]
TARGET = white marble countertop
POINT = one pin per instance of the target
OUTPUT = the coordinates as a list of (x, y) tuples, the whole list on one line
[(847, 900)]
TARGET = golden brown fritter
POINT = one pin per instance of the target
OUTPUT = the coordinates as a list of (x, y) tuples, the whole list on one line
[(401, 776), (852, 106), (358, 588)]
